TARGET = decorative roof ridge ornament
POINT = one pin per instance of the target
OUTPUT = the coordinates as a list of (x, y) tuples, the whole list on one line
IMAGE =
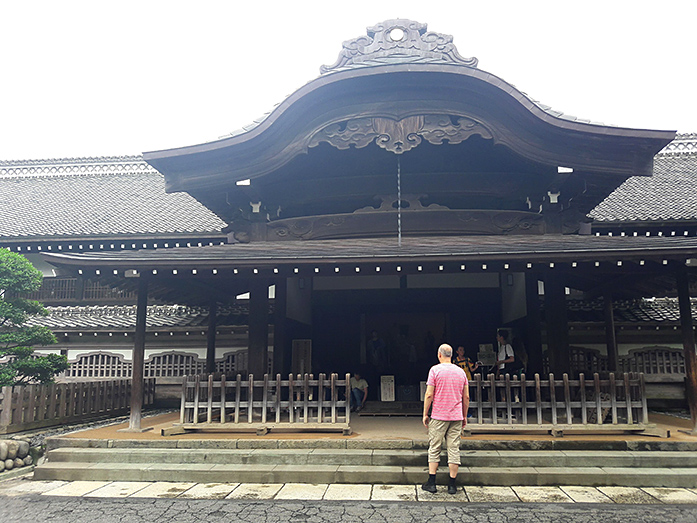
[(395, 42)]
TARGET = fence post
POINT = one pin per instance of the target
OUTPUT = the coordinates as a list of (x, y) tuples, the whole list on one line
[(628, 399), (6, 414), (582, 388), (613, 398)]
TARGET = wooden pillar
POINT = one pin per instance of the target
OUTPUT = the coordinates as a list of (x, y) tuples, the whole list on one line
[(533, 325), (688, 342), (279, 327), (138, 359), (258, 347), (557, 324), (613, 361), (212, 327)]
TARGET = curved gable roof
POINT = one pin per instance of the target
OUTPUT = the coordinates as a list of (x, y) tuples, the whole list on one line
[(380, 77)]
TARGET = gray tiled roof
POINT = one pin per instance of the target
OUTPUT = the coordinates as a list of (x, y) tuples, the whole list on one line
[(123, 317), (653, 310), (94, 197), (670, 194)]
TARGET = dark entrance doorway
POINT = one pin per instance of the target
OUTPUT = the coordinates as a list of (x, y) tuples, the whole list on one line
[(410, 324)]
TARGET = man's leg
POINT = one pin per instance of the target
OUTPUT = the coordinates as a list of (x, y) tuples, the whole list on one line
[(436, 431), (453, 437), (356, 397)]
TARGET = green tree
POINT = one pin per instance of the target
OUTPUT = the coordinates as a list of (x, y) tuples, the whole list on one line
[(17, 276)]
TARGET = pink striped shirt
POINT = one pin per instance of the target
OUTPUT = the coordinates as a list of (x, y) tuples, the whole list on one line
[(449, 382)]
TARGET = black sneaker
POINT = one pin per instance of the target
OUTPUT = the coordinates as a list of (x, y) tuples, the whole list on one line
[(429, 487), (452, 489)]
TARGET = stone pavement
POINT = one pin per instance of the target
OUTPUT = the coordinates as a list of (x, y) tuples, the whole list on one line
[(341, 492)]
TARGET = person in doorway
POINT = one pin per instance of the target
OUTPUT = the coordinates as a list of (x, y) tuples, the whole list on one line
[(462, 361), (505, 354), (377, 352), (465, 363), (447, 399), (359, 392)]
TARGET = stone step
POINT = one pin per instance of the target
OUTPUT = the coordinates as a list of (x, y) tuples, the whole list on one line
[(360, 474), (358, 457)]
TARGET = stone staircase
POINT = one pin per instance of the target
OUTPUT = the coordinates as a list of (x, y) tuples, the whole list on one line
[(503, 463)]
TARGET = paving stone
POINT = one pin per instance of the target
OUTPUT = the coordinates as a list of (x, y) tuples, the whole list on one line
[(163, 489), (441, 495), (503, 476), (554, 476), (255, 491), (586, 494), (342, 457), (650, 477), (671, 495), (118, 489), (491, 494), (257, 444), (281, 457), (207, 444), (76, 488), (24, 485), (394, 493), (305, 473), (372, 474), (379, 444), (403, 458), (209, 491), (542, 495), (630, 495), (340, 491), (302, 491), (311, 444)]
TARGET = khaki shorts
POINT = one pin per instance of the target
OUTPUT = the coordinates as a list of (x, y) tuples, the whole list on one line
[(452, 431)]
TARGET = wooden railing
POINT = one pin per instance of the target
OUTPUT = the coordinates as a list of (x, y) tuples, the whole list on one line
[(210, 402), (34, 406), (654, 361), (107, 365), (67, 290), (616, 403)]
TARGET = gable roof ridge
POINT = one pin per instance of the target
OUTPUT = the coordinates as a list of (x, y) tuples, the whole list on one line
[(684, 144)]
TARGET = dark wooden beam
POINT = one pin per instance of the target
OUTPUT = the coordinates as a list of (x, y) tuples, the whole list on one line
[(533, 329), (279, 327), (258, 347), (610, 338), (557, 323), (212, 326), (688, 341), (134, 423)]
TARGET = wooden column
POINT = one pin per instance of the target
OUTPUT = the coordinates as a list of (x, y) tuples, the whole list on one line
[(138, 359), (279, 327), (212, 327), (533, 325), (688, 342), (557, 324), (258, 347), (613, 361)]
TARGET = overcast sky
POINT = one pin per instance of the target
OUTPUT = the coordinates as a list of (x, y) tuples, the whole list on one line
[(101, 78)]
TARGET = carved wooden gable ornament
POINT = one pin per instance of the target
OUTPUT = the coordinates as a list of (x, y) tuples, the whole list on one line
[(398, 41)]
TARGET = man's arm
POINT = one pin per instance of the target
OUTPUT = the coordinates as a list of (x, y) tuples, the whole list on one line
[(428, 401), (365, 396), (465, 403)]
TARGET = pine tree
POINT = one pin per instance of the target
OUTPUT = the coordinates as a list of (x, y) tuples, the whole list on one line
[(18, 276)]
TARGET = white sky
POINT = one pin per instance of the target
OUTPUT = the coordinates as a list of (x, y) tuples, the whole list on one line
[(98, 78)]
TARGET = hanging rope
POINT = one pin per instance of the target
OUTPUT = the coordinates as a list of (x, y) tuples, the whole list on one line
[(399, 202)]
